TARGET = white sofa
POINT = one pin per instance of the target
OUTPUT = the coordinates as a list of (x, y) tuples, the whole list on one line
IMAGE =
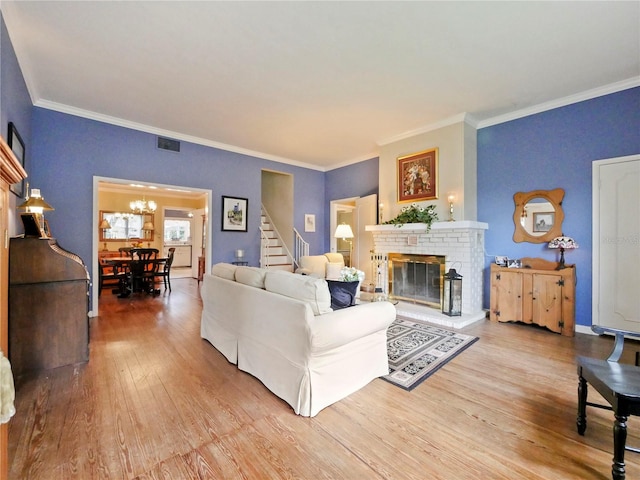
[(327, 265), (279, 327)]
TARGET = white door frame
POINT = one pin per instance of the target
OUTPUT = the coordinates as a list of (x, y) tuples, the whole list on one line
[(95, 242), (596, 234), (334, 206)]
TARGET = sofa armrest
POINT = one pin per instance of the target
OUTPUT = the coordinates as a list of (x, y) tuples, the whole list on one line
[(340, 327)]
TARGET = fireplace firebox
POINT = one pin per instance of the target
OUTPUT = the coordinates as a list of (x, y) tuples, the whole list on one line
[(416, 278)]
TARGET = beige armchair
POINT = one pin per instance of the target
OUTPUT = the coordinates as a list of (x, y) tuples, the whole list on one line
[(322, 266)]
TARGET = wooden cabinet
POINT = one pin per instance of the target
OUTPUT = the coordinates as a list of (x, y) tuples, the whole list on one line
[(181, 256), (536, 294), (48, 306)]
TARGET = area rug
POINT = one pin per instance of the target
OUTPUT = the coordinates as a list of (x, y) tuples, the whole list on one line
[(417, 349)]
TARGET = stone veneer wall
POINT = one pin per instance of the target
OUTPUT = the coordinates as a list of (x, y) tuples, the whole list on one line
[(462, 244)]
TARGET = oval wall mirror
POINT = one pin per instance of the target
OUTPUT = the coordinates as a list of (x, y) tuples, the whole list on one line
[(538, 215)]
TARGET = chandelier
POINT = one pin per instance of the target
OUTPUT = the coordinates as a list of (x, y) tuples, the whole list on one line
[(143, 206)]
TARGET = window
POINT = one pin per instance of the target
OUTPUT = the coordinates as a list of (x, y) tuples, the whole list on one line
[(125, 226), (177, 230)]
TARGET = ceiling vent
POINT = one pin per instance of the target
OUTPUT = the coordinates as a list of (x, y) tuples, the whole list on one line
[(168, 144)]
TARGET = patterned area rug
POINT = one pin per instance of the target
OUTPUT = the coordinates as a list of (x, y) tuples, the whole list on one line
[(417, 349)]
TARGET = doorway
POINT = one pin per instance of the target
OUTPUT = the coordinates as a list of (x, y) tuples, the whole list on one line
[(360, 211), (277, 199), (117, 194)]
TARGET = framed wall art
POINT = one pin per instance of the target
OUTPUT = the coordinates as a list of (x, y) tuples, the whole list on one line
[(309, 222), (17, 147), (234, 214), (543, 221), (418, 176)]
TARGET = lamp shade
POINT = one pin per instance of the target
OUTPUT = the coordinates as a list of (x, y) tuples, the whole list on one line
[(564, 242), (343, 231), (104, 224), (148, 226), (35, 203)]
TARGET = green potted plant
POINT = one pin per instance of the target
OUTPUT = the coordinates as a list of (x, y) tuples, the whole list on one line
[(415, 213)]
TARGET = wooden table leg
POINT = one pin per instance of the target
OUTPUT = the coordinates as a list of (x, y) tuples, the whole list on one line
[(581, 421), (619, 442)]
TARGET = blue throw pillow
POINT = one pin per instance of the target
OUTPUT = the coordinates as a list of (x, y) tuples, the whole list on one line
[(343, 294)]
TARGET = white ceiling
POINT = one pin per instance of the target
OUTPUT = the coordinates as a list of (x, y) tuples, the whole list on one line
[(319, 84)]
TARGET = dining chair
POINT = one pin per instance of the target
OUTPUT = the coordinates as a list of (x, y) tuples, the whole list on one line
[(107, 278), (125, 251), (144, 253), (619, 384), (164, 270), (142, 269), (112, 275)]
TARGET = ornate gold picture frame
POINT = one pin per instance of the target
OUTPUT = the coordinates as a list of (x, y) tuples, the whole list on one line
[(418, 176)]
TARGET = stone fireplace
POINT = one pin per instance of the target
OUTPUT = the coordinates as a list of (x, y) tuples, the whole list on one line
[(461, 244)]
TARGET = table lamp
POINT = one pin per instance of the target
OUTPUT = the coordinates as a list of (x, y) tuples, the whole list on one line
[(563, 243), (34, 206), (104, 226), (344, 231)]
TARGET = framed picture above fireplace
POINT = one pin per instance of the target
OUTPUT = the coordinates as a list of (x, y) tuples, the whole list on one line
[(418, 176)]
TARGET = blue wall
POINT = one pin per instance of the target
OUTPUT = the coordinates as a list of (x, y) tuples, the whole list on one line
[(356, 180), (14, 96), (68, 151), (550, 150), (65, 152)]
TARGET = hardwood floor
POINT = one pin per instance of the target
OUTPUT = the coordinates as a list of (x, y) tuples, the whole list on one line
[(157, 401)]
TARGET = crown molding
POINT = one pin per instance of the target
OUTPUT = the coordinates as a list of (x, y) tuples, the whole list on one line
[(459, 118), (78, 112), (561, 102), (361, 158)]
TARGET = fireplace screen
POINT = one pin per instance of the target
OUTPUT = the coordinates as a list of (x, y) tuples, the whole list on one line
[(416, 278)]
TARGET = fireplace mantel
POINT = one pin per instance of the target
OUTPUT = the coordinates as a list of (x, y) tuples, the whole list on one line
[(422, 227)]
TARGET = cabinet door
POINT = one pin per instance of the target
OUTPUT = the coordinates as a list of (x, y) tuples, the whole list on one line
[(507, 288), (547, 301)]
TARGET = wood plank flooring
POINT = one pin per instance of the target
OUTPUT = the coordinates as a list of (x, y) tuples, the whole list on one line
[(156, 401)]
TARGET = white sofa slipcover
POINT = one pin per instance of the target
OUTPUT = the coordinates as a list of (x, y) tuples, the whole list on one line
[(327, 265), (308, 360)]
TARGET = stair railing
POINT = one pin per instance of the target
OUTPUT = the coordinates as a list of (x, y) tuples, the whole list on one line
[(300, 248), (265, 245), (264, 249)]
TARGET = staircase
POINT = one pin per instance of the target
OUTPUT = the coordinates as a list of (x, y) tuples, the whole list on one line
[(274, 255)]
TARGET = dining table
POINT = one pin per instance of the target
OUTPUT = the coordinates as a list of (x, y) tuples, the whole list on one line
[(136, 275)]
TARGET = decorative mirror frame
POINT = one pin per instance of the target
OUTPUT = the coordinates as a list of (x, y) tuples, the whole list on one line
[(554, 197)]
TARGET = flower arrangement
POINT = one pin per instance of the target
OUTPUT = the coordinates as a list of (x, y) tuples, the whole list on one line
[(137, 244), (415, 213), (351, 274)]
